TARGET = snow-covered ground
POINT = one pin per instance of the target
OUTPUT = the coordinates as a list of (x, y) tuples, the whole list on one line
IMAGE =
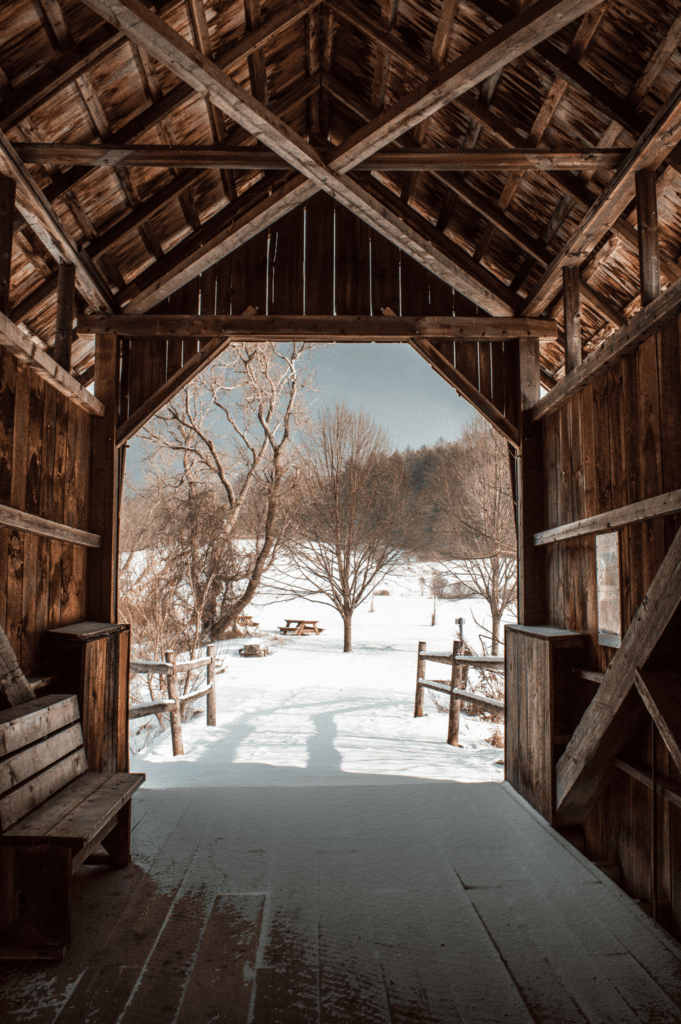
[(310, 715)]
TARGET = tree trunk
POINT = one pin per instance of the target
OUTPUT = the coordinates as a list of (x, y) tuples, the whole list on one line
[(496, 623), (347, 634)]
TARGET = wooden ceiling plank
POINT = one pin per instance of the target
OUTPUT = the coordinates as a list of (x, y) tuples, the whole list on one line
[(658, 140), (657, 63), (382, 66), (638, 328), (661, 694), (256, 62), (140, 214), (145, 29), (63, 70), (323, 328), (197, 15), (183, 92), (438, 57), (583, 36), (41, 217), (29, 352), (520, 34), (616, 716)]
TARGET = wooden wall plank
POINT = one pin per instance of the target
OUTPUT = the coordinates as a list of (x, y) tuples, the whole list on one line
[(286, 267), (319, 247), (385, 275), (22, 399), (8, 374), (654, 547), (249, 275), (353, 265), (466, 352), (669, 364)]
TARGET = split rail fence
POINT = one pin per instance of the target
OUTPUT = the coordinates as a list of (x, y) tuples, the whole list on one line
[(455, 687), (171, 668)]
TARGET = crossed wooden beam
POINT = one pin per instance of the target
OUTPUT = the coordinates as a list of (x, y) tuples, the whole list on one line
[(330, 173), (529, 31)]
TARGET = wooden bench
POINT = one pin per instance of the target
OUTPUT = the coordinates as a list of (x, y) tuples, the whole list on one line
[(54, 814)]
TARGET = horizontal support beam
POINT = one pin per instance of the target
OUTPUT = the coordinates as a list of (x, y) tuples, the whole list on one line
[(323, 328), (641, 326), (29, 352), (665, 787), (639, 511), (441, 659), (27, 523), (261, 158)]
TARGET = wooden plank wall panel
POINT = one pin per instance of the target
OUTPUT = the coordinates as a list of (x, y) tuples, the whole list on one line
[(385, 275), (616, 443), (286, 265), (319, 242), (353, 264), (44, 470)]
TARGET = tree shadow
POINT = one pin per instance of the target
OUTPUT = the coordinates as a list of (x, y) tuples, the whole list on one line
[(321, 751)]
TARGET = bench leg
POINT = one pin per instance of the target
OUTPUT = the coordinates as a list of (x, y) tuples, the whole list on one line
[(8, 907), (117, 843), (45, 878)]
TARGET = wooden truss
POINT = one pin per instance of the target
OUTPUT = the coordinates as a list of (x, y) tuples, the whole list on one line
[(354, 172)]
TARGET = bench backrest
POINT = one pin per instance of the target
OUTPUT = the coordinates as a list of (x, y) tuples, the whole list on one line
[(41, 751)]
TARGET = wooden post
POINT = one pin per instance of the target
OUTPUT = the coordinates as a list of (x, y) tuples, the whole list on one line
[(648, 247), (455, 702), (211, 700), (7, 191), (63, 335), (102, 588), (530, 499), (420, 674), (176, 711), (573, 319)]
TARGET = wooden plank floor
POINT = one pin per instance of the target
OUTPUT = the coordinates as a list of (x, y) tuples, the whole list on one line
[(419, 904)]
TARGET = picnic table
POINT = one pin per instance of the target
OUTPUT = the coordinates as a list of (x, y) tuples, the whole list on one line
[(246, 622), (300, 627)]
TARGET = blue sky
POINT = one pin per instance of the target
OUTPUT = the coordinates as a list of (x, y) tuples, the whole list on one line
[(397, 386), (392, 382)]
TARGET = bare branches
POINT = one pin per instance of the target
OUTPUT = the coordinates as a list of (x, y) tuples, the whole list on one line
[(350, 514), (223, 459)]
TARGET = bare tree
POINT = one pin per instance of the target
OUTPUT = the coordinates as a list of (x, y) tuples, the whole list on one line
[(351, 508), (476, 526), (222, 459)]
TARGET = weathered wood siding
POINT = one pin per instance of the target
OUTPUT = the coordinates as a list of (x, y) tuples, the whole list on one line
[(318, 260), (45, 445), (618, 442)]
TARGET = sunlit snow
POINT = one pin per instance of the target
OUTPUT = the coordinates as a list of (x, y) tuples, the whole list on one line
[(310, 715)]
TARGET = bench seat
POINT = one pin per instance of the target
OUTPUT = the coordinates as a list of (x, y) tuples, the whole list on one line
[(55, 814)]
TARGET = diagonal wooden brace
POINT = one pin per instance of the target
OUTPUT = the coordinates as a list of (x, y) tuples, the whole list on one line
[(616, 715)]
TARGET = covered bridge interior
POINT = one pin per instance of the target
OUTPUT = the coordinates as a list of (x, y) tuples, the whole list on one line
[(497, 184)]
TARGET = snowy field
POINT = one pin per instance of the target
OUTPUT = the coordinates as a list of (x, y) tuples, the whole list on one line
[(310, 715)]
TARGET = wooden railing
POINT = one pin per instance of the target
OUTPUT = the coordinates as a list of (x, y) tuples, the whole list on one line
[(455, 687), (171, 668)]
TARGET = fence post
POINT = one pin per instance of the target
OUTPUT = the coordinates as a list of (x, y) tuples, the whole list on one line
[(176, 711), (420, 674), (455, 702), (211, 702)]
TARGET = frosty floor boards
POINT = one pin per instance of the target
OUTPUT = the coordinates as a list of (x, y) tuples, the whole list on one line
[(432, 903)]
